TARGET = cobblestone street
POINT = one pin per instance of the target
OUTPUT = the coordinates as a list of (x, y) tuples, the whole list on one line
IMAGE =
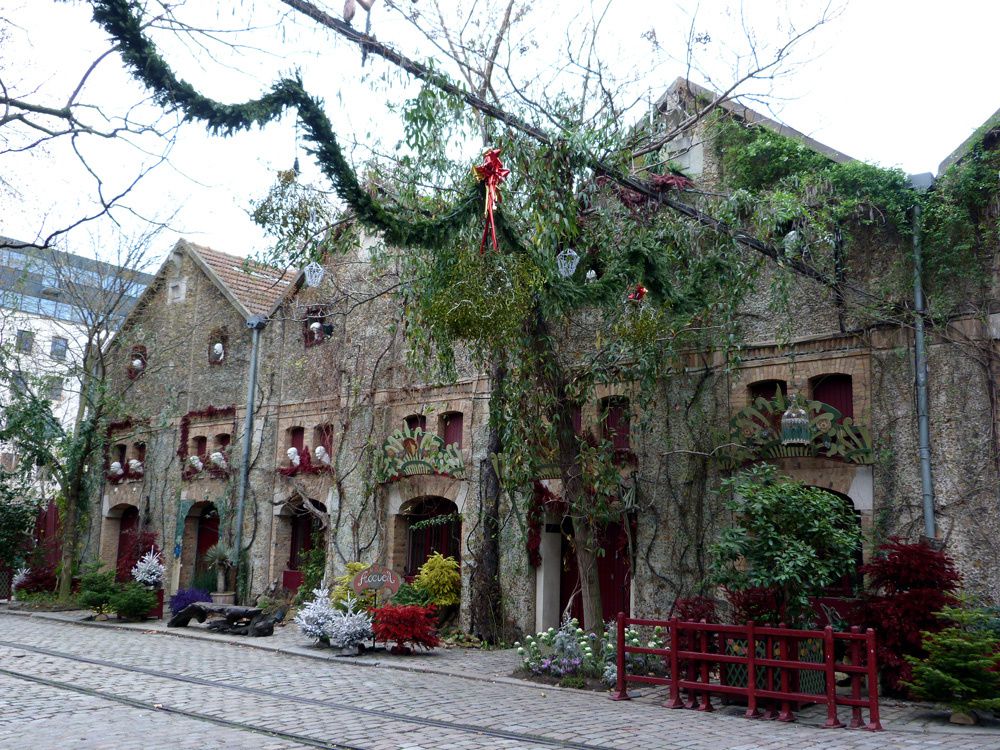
[(66, 686)]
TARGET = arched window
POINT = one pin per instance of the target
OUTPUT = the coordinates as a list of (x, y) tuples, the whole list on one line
[(416, 421), (199, 447), (451, 428), (139, 451), (444, 536), (836, 390), (323, 436), (222, 441), (297, 438), (767, 389)]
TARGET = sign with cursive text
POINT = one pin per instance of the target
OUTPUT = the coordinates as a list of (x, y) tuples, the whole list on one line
[(376, 578)]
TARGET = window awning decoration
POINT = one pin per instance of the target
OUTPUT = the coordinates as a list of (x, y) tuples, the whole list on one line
[(411, 452), (756, 433)]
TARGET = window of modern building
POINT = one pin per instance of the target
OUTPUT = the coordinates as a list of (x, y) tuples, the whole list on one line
[(58, 348), (25, 341), (836, 390), (55, 389)]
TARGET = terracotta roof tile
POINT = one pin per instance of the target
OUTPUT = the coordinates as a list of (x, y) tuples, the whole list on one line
[(256, 286)]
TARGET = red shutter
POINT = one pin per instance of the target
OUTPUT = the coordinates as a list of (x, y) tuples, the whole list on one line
[(297, 438), (617, 425), (201, 446), (453, 429), (836, 391)]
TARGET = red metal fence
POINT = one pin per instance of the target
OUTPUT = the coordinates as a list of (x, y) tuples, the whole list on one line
[(695, 649)]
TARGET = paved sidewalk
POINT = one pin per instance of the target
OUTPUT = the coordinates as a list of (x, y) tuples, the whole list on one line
[(496, 666)]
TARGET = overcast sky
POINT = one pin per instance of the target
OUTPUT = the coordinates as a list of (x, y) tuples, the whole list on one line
[(895, 82)]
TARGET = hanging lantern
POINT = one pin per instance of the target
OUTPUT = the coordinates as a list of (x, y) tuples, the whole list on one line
[(795, 425), (314, 274), (567, 262)]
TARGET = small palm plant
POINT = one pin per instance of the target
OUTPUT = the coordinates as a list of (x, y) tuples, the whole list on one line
[(221, 557)]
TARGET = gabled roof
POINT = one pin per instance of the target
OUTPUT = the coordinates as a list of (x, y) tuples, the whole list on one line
[(685, 88), (989, 130), (253, 287)]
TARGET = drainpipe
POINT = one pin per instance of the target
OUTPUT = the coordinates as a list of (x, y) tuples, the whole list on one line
[(256, 324), (920, 357)]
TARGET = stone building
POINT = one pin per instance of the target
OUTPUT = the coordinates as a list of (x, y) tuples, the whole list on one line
[(351, 444)]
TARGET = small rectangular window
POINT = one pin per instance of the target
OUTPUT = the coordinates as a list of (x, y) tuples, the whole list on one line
[(452, 422), (25, 341), (176, 290), (55, 389), (417, 422), (58, 348), (199, 447)]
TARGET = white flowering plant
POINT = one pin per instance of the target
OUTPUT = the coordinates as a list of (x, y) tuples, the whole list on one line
[(566, 652), (321, 620), (149, 570), (20, 576)]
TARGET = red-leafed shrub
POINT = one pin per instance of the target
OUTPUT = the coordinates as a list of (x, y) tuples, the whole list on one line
[(41, 577), (761, 605), (695, 609), (404, 624), (907, 584), (135, 544)]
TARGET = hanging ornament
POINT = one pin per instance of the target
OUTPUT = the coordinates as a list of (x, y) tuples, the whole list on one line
[(638, 294), (314, 274), (492, 172), (566, 262), (795, 425)]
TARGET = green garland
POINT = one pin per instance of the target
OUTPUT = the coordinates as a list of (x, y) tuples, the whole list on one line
[(121, 19)]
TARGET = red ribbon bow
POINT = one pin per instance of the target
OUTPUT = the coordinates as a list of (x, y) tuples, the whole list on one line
[(492, 172), (638, 294)]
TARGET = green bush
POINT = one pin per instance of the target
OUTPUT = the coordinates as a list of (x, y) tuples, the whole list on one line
[(343, 589), (440, 578), (132, 601), (97, 589), (410, 594), (962, 666)]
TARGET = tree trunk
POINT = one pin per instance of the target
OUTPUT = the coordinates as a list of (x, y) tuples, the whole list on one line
[(590, 582), (486, 596), (69, 524)]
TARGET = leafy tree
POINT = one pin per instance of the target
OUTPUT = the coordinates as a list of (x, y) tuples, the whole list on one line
[(788, 538), (18, 511)]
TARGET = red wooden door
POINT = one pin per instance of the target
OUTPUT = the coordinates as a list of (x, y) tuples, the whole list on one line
[(613, 572), (208, 537), (47, 534), (127, 529)]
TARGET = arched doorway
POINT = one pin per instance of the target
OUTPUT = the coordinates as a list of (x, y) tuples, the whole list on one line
[(432, 524), (848, 585), (201, 533), (117, 525), (128, 527), (300, 533)]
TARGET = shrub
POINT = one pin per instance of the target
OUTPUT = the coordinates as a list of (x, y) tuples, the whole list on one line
[(40, 577), (313, 565), (97, 588), (184, 597), (908, 583), (439, 577), (135, 544), (789, 538), (962, 666), (410, 594), (568, 651), (754, 605), (341, 628), (132, 601), (342, 588), (406, 624), (695, 609), (573, 681), (149, 569)]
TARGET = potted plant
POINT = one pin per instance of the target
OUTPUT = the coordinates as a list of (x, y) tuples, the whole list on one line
[(148, 572), (220, 556)]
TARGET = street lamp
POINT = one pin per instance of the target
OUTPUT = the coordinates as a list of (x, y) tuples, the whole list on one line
[(567, 262)]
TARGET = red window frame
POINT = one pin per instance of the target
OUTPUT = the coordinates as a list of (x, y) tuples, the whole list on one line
[(836, 390), (452, 425)]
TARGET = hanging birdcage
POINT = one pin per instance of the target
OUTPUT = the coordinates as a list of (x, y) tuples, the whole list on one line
[(566, 262), (795, 425), (314, 274)]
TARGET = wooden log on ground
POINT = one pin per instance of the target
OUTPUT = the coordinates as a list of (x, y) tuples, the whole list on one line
[(203, 610)]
